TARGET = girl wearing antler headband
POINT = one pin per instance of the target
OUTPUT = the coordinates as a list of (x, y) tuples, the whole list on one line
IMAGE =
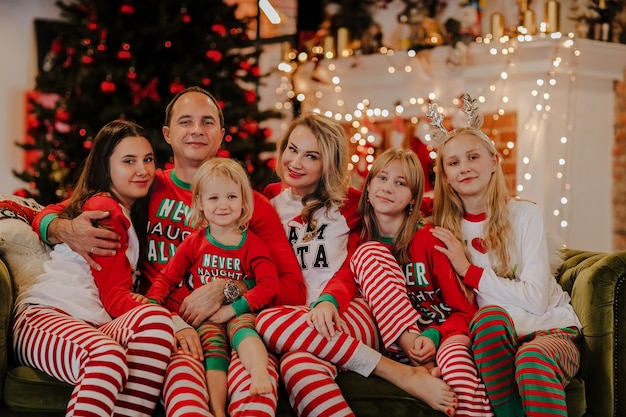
[(422, 310), (524, 334)]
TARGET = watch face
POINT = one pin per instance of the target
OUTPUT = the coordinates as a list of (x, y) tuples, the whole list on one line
[(231, 292)]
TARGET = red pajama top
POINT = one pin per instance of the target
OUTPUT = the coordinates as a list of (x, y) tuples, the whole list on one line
[(433, 288), (201, 259)]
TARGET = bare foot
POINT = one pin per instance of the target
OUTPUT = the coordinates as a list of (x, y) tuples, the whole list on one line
[(433, 369), (419, 382), (436, 371), (260, 384)]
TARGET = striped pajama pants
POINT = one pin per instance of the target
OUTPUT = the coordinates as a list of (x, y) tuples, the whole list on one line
[(524, 376), (310, 362), (185, 393), (384, 287), (117, 368)]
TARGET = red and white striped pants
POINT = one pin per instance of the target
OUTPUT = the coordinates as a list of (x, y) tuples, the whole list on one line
[(384, 287), (309, 364), (185, 393), (117, 368)]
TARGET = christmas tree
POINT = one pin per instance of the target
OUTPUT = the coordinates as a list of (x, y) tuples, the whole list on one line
[(126, 59)]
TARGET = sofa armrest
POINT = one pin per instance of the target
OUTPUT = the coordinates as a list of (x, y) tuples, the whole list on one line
[(6, 309), (599, 299)]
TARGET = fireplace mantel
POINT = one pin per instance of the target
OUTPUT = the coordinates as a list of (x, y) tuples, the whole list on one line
[(575, 194)]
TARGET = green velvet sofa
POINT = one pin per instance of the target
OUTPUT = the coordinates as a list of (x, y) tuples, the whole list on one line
[(594, 279)]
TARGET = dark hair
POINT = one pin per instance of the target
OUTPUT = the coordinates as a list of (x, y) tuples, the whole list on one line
[(196, 89), (95, 174)]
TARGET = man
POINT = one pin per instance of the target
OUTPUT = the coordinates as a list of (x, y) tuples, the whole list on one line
[(194, 128)]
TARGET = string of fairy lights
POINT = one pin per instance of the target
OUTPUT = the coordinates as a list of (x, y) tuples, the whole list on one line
[(562, 70)]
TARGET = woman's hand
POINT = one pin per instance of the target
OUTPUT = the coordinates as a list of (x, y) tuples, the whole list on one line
[(453, 250), (188, 341), (325, 318)]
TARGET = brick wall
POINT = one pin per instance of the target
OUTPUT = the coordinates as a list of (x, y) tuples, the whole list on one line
[(503, 131), (619, 168)]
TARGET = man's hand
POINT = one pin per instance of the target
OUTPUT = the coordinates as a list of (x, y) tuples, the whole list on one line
[(202, 302), (83, 238)]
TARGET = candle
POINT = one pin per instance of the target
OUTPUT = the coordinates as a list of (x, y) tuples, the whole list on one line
[(529, 22), (552, 15), (497, 25), (342, 42), (329, 46)]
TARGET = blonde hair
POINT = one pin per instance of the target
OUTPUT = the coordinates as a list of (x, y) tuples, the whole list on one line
[(414, 175), (448, 207), (332, 187), (221, 168)]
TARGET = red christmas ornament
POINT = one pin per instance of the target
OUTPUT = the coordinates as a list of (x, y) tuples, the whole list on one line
[(92, 26), (271, 164), (249, 96), (223, 153), (214, 55), (186, 18), (61, 114), (124, 54), (87, 144), (221, 104), (267, 132), (56, 46), (245, 65), (219, 29), (255, 70), (176, 87), (68, 59), (127, 9), (131, 74), (108, 87), (32, 122), (251, 126), (206, 81), (87, 59), (148, 92)]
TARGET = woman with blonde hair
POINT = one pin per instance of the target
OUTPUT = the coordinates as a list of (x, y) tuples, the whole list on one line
[(524, 334), (319, 213)]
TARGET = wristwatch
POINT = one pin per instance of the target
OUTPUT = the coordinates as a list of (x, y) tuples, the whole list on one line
[(231, 292)]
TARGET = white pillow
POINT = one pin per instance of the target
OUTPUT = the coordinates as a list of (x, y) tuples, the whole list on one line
[(20, 246)]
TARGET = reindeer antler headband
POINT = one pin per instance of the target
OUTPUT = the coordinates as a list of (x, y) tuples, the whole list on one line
[(474, 119)]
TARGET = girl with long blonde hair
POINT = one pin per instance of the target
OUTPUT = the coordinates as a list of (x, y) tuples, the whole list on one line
[(524, 334)]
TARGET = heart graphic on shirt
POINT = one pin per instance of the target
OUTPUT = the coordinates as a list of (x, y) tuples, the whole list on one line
[(479, 244)]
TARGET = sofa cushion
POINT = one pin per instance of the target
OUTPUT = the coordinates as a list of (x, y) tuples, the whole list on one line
[(27, 389), (20, 246)]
